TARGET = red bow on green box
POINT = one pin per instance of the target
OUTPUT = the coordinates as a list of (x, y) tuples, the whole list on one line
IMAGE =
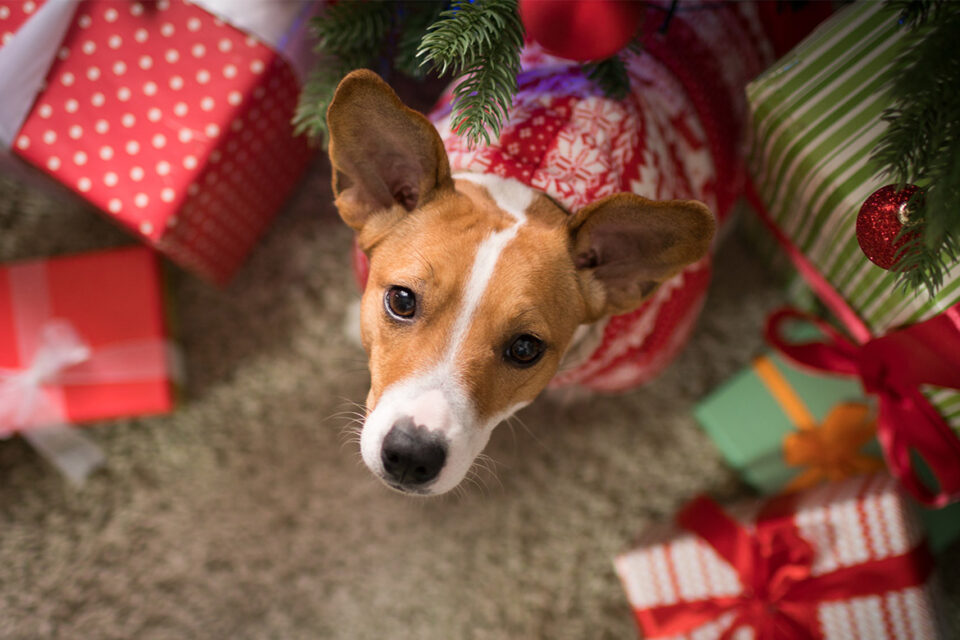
[(774, 564)]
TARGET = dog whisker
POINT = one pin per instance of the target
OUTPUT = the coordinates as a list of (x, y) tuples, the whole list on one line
[(353, 442), (533, 436), (463, 489), (512, 429), (487, 461), (353, 403), (352, 428), (480, 482), (490, 472), (353, 415), (472, 479), (353, 418)]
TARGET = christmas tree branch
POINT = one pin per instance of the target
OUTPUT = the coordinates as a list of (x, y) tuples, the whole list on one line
[(611, 76), (414, 21), (348, 36), (480, 42), (352, 30), (914, 13), (477, 42), (317, 93), (921, 145), (352, 35)]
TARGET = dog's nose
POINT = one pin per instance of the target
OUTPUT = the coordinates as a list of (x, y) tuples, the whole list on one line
[(411, 455)]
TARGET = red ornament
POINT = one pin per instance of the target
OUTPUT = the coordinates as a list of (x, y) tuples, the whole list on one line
[(581, 30), (879, 222)]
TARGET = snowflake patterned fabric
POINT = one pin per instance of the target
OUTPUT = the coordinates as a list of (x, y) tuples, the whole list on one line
[(564, 137)]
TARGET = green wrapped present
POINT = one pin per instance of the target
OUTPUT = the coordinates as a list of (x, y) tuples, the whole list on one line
[(751, 416), (816, 119)]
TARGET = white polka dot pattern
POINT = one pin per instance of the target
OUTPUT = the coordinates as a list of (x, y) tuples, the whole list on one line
[(140, 108), (849, 523), (13, 15)]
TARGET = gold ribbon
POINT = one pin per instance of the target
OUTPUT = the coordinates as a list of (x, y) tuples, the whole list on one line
[(830, 450)]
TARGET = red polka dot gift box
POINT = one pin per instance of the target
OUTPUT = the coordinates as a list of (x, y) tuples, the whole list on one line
[(165, 116)]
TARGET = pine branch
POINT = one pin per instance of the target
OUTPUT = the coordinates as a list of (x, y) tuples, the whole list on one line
[(352, 31), (350, 35), (921, 145), (413, 22), (914, 13), (317, 93), (479, 41), (611, 76), (913, 260)]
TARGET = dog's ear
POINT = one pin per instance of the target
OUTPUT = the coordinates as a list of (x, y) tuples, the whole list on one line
[(624, 246), (385, 156)]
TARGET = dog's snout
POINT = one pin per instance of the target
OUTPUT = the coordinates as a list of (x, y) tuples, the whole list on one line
[(412, 455)]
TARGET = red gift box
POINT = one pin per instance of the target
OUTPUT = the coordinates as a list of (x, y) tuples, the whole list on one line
[(845, 560), (170, 120), (83, 338)]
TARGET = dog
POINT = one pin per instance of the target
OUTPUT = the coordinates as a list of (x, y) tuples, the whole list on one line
[(575, 247)]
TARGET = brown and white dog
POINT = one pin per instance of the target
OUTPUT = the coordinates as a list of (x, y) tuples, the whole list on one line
[(478, 283)]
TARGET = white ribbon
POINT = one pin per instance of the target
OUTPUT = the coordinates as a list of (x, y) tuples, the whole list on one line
[(31, 401), (26, 58), (20, 389), (22, 402), (277, 23), (24, 62)]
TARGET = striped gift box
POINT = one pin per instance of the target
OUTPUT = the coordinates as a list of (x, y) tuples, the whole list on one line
[(816, 118), (849, 525)]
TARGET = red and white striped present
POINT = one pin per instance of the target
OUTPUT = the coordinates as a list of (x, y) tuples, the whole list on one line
[(172, 117), (844, 560)]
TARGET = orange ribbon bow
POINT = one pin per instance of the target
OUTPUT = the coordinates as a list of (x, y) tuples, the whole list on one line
[(830, 450)]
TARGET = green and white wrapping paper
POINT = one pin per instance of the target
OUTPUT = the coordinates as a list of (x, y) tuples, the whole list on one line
[(816, 119)]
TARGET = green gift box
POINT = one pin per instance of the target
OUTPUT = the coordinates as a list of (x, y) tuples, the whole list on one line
[(749, 424), (816, 117), (750, 420)]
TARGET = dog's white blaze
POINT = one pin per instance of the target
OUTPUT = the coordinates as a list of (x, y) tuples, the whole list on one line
[(512, 197)]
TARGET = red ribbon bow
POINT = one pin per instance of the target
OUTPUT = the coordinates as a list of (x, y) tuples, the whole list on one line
[(893, 367), (774, 563)]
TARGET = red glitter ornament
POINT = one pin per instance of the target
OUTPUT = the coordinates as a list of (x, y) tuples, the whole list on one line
[(879, 222), (581, 30)]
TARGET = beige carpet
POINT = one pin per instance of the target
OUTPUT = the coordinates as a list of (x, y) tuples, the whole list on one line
[(247, 513)]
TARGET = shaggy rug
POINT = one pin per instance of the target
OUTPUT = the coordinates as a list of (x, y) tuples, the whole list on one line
[(248, 514)]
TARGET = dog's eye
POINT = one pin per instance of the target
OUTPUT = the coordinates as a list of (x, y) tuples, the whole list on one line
[(524, 350), (400, 303)]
